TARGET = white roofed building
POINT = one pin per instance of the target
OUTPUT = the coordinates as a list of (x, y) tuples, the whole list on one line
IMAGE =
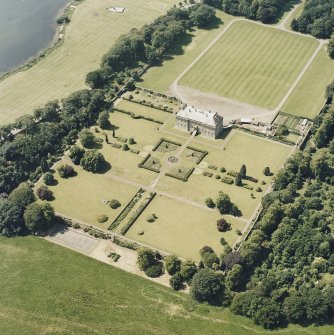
[(207, 124)]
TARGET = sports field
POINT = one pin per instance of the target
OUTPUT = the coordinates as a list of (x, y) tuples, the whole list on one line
[(50, 290), (308, 97), (182, 229), (251, 63), (91, 33), (161, 77)]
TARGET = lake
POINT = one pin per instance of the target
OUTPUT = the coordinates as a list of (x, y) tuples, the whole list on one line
[(26, 27)]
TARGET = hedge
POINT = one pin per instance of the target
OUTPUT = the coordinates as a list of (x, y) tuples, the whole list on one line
[(184, 178), (122, 215), (232, 173), (138, 212), (164, 140), (143, 166), (135, 116), (125, 243), (150, 104), (203, 152)]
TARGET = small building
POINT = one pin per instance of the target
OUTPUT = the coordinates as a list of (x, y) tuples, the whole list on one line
[(207, 124)]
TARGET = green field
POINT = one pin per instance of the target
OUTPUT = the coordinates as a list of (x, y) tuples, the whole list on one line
[(160, 78), (241, 148), (91, 33), (182, 229), (81, 197), (251, 63), (50, 290), (308, 97)]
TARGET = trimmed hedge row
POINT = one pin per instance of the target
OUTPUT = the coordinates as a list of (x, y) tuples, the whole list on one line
[(203, 152), (164, 140), (135, 116), (122, 215), (227, 180), (140, 210), (184, 178), (143, 166), (158, 94), (125, 243), (148, 104)]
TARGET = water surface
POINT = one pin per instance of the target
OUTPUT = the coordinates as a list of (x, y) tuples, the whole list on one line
[(26, 27)]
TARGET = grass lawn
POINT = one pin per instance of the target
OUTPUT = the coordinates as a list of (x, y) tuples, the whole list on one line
[(125, 163), (308, 97), (160, 78), (251, 63), (81, 197), (182, 229), (138, 109), (47, 289), (242, 148), (91, 33)]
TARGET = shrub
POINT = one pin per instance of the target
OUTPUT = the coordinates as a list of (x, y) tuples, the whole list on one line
[(248, 187), (151, 218), (102, 218), (131, 141), (217, 176), (44, 193), (146, 258), (238, 232), (172, 264), (65, 171), (155, 271), (125, 147), (205, 249), (134, 151), (223, 225), (258, 189), (76, 154), (207, 174), (222, 170), (227, 180), (209, 202), (48, 178), (93, 161), (232, 173), (176, 282), (187, 271), (212, 167), (222, 241), (114, 204)]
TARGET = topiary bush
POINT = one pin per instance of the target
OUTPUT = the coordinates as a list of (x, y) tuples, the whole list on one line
[(114, 204), (93, 161), (102, 218)]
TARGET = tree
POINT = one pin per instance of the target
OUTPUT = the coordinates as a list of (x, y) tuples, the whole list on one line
[(44, 165), (316, 307), (243, 171), (202, 15), (39, 217), (95, 79), (269, 315), (223, 203), (87, 138), (114, 204), (187, 271), (234, 277), (172, 264), (76, 153), (103, 120), (209, 202), (238, 180), (176, 281), (223, 225), (44, 193), (266, 171), (22, 196), (93, 161), (206, 286), (11, 221), (145, 258), (48, 178), (65, 170), (294, 308), (231, 259)]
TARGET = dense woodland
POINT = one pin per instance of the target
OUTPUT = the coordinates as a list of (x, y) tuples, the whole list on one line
[(266, 11), (316, 19)]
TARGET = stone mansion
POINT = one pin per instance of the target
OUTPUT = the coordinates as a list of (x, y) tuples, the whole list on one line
[(207, 124)]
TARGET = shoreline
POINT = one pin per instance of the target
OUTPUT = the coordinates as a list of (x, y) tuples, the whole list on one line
[(52, 45)]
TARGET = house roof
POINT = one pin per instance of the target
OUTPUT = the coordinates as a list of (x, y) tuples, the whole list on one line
[(195, 114)]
